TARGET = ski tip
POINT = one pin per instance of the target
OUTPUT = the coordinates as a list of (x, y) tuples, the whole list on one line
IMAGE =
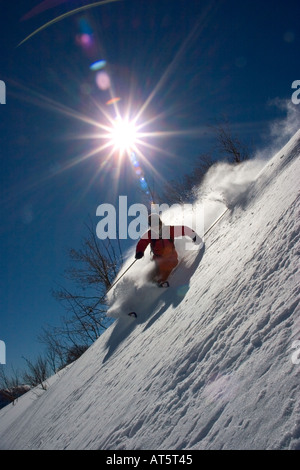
[(132, 314)]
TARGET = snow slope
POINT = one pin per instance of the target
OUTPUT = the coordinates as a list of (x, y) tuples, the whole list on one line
[(209, 364)]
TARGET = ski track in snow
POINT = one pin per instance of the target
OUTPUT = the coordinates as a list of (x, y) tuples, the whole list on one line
[(208, 366)]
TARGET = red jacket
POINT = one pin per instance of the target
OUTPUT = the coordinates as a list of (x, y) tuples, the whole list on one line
[(162, 244)]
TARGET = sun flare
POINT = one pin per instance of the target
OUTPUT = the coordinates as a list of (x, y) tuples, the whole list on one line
[(123, 135)]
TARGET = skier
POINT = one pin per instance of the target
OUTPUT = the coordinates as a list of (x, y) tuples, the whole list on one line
[(161, 239)]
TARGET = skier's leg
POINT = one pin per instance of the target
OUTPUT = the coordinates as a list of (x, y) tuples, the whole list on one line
[(166, 266)]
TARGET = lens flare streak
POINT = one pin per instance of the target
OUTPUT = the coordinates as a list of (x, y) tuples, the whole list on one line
[(65, 15)]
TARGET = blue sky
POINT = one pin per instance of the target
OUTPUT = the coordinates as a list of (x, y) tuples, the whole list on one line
[(197, 60)]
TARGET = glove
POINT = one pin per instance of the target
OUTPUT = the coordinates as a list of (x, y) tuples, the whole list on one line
[(139, 255)]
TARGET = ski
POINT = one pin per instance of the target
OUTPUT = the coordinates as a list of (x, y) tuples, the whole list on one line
[(163, 284), (132, 314)]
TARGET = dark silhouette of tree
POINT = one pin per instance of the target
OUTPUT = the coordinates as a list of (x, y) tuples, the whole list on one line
[(227, 147), (94, 267), (11, 387), (37, 373)]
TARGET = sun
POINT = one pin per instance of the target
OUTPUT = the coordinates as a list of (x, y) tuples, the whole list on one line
[(123, 135)]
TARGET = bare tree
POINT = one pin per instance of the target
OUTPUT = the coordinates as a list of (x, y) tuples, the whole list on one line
[(182, 190), (11, 387), (94, 267), (75, 352), (228, 144), (56, 350), (38, 373)]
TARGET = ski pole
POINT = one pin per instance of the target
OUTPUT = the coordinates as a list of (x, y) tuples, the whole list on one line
[(114, 283), (215, 222)]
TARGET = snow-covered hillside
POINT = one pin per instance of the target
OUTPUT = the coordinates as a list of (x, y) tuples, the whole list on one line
[(211, 362)]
